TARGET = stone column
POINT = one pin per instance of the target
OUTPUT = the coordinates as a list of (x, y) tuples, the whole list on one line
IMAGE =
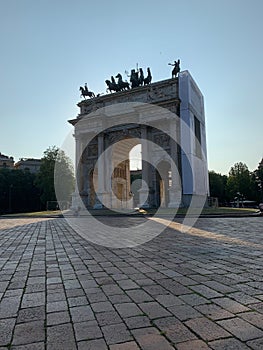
[(76, 199), (144, 191), (107, 173), (175, 191), (101, 173)]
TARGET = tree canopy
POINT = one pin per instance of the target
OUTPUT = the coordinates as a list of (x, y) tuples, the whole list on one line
[(55, 165)]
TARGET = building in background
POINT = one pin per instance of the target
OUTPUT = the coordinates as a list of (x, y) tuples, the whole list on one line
[(6, 161), (31, 164)]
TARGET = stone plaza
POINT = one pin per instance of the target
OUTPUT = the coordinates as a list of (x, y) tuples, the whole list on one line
[(202, 289)]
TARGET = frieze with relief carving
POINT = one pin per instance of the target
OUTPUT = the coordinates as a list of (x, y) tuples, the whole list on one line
[(162, 140), (118, 135)]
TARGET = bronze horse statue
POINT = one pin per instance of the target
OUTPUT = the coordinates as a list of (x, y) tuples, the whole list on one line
[(141, 77), (123, 85), (176, 69), (148, 79), (134, 79), (85, 92), (112, 86)]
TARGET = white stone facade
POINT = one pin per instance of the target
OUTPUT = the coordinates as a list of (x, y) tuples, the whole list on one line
[(165, 118)]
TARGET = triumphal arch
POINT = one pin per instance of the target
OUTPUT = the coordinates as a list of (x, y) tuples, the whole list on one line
[(167, 119)]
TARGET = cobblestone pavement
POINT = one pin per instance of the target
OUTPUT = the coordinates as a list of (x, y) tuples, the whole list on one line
[(197, 290)]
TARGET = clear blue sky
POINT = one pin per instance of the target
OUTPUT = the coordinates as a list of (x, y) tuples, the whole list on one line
[(51, 47)]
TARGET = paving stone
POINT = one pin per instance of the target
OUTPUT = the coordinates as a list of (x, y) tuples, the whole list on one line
[(256, 344), (169, 300), (34, 346), (77, 301), (75, 292), (64, 345), (29, 332), (219, 287), (139, 295), (125, 346), (3, 286), (55, 297), (56, 318), (33, 299), (154, 310), (241, 329), (174, 287), (9, 307), (150, 339), (253, 317), (31, 314), (57, 306), (97, 344), (207, 329), (102, 306), (257, 307), (14, 293), (205, 291), (33, 288), (137, 322), (194, 299), (174, 329), (243, 298), (87, 330), (230, 305), (127, 284), (193, 344), (112, 289), (184, 312), (60, 334), (108, 318), (82, 313), (119, 298), (6, 327), (228, 344), (214, 312), (128, 309), (117, 333)]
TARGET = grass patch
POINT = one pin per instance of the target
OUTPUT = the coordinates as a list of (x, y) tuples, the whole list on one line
[(36, 214), (162, 211), (205, 211)]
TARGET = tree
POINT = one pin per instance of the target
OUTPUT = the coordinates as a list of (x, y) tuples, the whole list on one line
[(217, 183), (239, 182), (18, 192), (55, 165), (257, 179)]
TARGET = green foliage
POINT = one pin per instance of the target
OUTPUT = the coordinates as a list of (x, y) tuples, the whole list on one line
[(257, 178), (55, 165), (218, 186), (18, 192), (239, 182)]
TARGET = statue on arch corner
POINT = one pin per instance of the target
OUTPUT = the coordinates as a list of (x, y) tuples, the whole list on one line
[(176, 68)]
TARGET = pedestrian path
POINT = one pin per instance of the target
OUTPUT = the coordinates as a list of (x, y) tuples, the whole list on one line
[(196, 289)]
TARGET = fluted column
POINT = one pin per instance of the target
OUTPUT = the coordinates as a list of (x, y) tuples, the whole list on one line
[(101, 173), (144, 191), (175, 191), (76, 196)]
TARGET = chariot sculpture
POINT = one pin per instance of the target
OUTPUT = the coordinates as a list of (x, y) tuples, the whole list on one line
[(85, 92)]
